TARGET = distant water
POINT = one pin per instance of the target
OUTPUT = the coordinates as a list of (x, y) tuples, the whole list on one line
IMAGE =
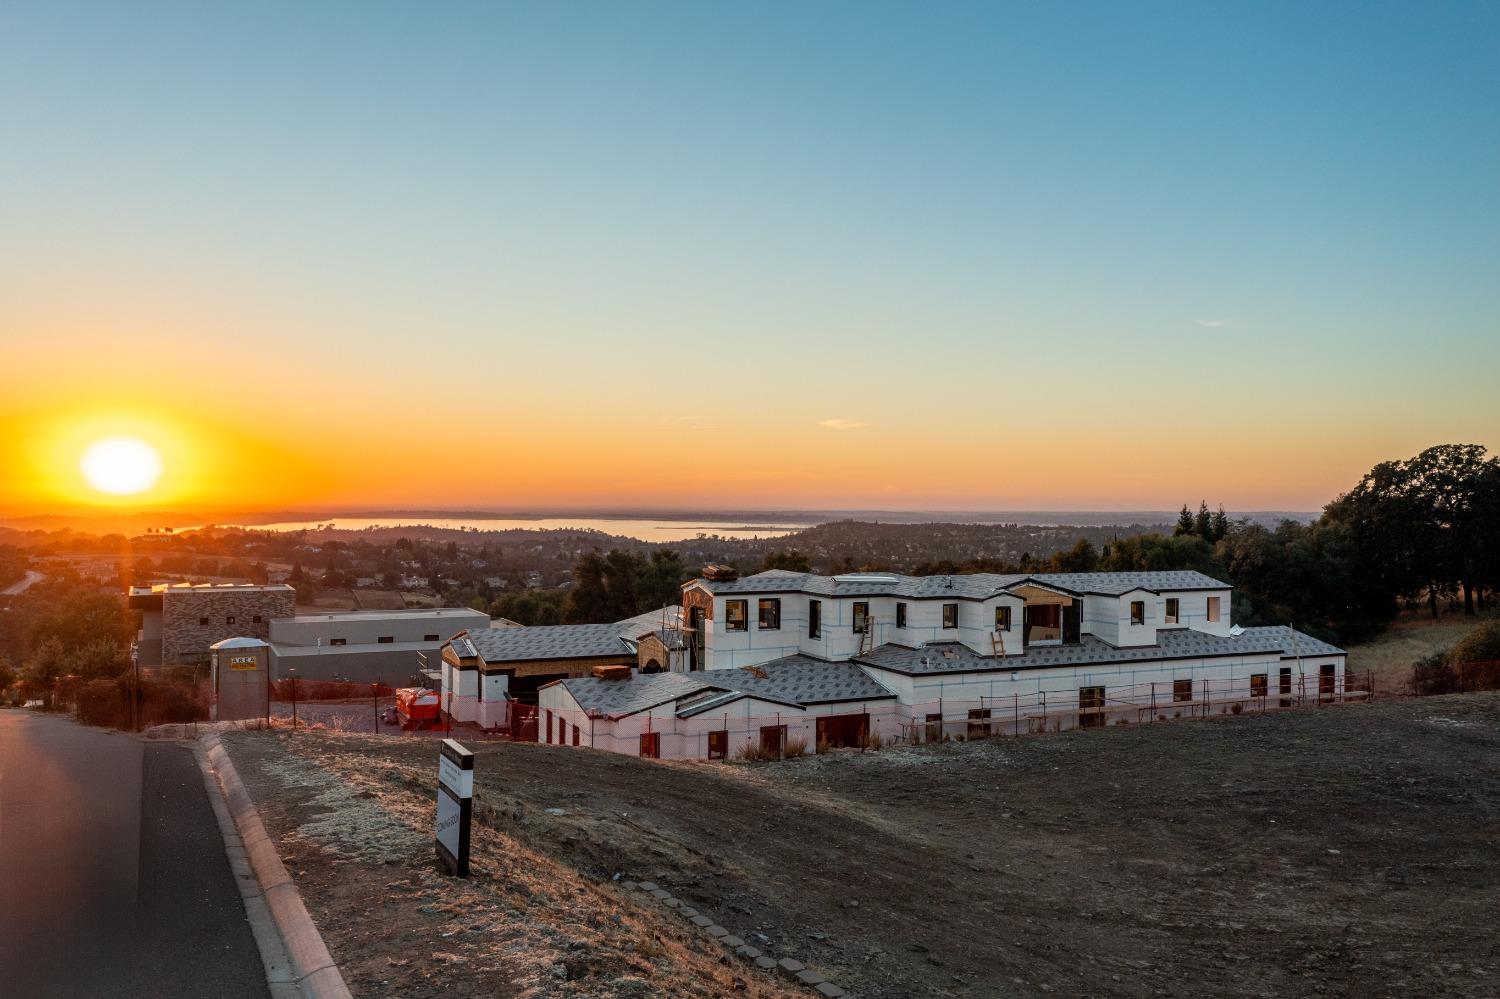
[(644, 530)]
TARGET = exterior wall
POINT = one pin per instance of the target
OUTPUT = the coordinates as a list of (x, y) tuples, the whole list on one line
[(1018, 697), (240, 692), (687, 738), (1105, 617), (185, 640), (365, 627), (465, 683), (392, 665)]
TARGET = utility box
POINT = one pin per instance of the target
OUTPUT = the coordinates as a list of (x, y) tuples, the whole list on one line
[(241, 679)]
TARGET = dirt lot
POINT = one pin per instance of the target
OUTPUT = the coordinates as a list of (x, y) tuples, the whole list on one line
[(1349, 851)]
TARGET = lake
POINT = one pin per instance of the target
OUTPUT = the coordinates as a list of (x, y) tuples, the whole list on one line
[(644, 530)]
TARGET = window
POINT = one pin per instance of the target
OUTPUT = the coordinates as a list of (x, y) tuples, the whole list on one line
[(1213, 608), (431, 638), (815, 619), (651, 745), (1002, 618), (950, 615), (338, 641), (718, 744), (900, 615), (1327, 681), (386, 640), (1182, 690), (735, 614), (1090, 707), (772, 738), (770, 614), (1284, 686), (861, 617), (979, 723), (229, 619), (1258, 685), (203, 620), (1172, 610), (1137, 612)]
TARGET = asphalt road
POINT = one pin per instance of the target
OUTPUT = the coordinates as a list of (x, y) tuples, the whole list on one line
[(113, 878)]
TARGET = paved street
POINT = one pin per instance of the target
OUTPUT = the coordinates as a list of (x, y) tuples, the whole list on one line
[(113, 879)]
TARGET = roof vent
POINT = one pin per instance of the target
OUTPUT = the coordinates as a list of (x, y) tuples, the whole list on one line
[(720, 573), (867, 578)]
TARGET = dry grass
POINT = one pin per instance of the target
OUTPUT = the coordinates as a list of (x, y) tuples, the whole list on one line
[(1413, 636)]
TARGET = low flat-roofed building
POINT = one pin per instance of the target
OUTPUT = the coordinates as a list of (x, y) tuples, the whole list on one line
[(392, 647)]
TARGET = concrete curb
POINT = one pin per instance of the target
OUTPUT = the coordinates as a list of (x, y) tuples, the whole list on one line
[(297, 961)]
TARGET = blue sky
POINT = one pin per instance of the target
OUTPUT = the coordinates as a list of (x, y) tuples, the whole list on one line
[(1277, 221)]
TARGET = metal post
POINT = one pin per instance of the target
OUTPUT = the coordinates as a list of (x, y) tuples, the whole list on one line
[(375, 700), (291, 673)]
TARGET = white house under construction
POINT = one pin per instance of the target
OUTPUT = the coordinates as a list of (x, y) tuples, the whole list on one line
[(829, 659)]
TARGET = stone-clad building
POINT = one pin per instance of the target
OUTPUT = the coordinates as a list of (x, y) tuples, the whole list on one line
[(180, 621)]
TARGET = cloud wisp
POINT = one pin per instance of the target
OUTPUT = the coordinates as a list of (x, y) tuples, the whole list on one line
[(840, 423)]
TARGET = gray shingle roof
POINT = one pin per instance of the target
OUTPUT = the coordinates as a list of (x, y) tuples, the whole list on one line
[(805, 680), (641, 692), (972, 586), (1293, 642), (1175, 643), (556, 641), (794, 681)]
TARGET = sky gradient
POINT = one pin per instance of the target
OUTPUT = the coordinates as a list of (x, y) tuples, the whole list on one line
[(985, 256)]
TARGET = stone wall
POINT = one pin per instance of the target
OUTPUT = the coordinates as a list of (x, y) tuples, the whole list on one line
[(192, 620)]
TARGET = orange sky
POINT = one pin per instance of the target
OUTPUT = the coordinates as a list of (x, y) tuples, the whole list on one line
[(516, 258)]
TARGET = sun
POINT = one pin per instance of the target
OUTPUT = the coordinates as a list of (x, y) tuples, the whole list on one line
[(120, 466)]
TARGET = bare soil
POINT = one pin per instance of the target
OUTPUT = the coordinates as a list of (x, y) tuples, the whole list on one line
[(1350, 850)]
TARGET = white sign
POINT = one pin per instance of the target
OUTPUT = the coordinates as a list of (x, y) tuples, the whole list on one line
[(455, 804), (455, 779)]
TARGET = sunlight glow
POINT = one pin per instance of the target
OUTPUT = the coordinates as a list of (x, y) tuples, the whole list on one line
[(121, 466)]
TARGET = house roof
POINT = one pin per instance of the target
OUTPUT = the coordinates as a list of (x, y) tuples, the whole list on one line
[(969, 586), (1174, 643), (553, 641), (1293, 642), (805, 680), (638, 627), (795, 681), (640, 692)]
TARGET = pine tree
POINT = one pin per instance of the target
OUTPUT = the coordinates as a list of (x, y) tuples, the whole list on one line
[(1203, 523), (1184, 522)]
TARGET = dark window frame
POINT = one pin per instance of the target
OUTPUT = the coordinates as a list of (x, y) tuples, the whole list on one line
[(1182, 691), (1137, 613), (721, 751), (431, 638), (202, 621), (815, 619), (764, 604), (650, 745), (1260, 684), (901, 613), (744, 616), (385, 640), (1173, 611), (950, 616), (1002, 618), (338, 641), (860, 616), (1213, 609)]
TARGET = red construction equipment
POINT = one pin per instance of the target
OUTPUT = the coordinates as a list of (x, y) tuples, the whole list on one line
[(417, 707)]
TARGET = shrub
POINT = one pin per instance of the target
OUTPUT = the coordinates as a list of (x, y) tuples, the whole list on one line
[(1236, 707), (795, 746), (1479, 646), (823, 746), (1433, 674), (107, 703), (754, 752), (870, 740)]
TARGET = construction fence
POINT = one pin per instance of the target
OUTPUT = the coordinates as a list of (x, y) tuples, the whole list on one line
[(871, 725)]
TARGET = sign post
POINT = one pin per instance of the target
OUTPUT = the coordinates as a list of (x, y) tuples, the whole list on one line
[(455, 805)]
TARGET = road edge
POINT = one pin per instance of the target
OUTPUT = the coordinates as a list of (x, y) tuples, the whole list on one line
[(297, 961)]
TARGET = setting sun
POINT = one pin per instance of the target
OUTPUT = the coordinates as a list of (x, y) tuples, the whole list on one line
[(121, 466)]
